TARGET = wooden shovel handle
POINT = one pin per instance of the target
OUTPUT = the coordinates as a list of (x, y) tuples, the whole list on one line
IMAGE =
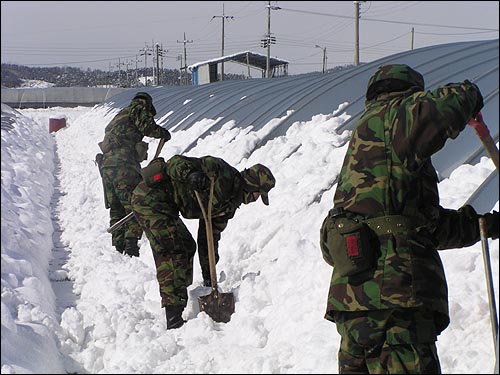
[(208, 228), (491, 147), (160, 146)]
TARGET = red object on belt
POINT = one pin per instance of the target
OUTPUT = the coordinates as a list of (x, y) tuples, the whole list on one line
[(352, 246)]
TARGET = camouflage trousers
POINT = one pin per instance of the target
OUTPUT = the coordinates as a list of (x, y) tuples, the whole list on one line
[(387, 342), (171, 242), (118, 186)]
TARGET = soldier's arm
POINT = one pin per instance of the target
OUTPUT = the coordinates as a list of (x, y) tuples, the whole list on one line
[(145, 122), (457, 228), (180, 167), (457, 104), (213, 166), (435, 116)]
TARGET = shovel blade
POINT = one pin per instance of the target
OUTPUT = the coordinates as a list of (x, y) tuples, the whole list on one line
[(218, 306)]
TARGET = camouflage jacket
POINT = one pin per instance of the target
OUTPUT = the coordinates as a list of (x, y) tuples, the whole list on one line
[(387, 170), (228, 185), (125, 131)]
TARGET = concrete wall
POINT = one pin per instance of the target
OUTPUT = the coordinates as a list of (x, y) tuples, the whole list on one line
[(57, 96)]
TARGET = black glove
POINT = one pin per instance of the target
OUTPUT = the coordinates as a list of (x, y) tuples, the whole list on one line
[(166, 135), (198, 181), (479, 102), (492, 224), (479, 105)]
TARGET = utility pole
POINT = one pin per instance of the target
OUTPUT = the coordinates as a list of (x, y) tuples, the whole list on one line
[(153, 63), (136, 70), (110, 76), (412, 38), (127, 82), (158, 54), (248, 66), (145, 52), (180, 70), (119, 65), (324, 57), (185, 54), (268, 70), (268, 40), (357, 5), (162, 55), (356, 33), (223, 17)]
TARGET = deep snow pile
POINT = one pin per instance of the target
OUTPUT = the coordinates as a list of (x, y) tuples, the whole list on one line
[(270, 259)]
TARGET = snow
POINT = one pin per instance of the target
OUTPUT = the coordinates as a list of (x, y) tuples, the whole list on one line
[(72, 304), (35, 84)]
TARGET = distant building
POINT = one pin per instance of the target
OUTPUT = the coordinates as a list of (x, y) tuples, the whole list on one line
[(207, 71)]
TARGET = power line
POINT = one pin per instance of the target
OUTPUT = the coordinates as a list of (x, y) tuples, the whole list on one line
[(390, 21), (387, 41), (456, 34)]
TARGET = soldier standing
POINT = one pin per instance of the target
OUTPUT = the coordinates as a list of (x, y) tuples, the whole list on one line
[(170, 190), (120, 165), (388, 293)]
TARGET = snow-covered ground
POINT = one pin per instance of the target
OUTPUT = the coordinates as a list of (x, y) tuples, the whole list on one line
[(72, 304)]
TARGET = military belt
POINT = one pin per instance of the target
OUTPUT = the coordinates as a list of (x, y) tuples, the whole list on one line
[(391, 224)]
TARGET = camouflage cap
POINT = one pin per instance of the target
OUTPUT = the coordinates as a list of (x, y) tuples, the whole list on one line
[(145, 96), (399, 72), (259, 178), (148, 99)]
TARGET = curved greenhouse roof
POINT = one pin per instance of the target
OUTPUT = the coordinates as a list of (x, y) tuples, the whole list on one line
[(255, 102)]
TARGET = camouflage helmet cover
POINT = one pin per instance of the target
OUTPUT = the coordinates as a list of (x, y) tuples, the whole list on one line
[(400, 72), (259, 178), (148, 99)]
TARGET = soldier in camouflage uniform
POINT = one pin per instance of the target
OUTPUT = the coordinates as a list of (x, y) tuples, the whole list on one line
[(388, 292), (157, 206), (120, 168)]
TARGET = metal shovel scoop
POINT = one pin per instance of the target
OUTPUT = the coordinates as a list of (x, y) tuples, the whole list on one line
[(219, 306)]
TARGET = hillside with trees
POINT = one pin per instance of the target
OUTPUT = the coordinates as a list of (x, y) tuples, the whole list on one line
[(15, 75)]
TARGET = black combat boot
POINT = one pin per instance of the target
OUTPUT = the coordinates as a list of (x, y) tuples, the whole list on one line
[(119, 246), (174, 316), (131, 247)]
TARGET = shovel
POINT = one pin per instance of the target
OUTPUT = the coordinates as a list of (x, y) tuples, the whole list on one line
[(484, 135), (219, 306), (489, 280)]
